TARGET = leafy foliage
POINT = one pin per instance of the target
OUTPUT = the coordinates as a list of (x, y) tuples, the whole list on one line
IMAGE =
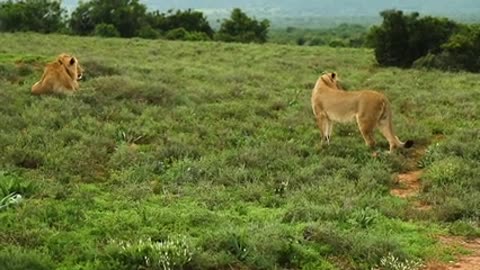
[(401, 39), (125, 15), (189, 20), (241, 28), (106, 30), (429, 42), (43, 16)]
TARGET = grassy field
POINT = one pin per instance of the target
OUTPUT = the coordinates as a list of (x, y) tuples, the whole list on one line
[(179, 155)]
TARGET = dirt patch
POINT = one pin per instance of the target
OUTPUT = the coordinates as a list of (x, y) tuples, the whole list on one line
[(464, 262), (409, 184)]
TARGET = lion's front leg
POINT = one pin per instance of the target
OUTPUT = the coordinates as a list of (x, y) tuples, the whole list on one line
[(325, 125)]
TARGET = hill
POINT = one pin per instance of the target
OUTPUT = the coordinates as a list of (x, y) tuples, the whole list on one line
[(206, 156)]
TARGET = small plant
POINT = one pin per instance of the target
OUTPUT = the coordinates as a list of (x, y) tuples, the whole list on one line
[(11, 184), (390, 262), (431, 155), (148, 254), (446, 171), (364, 217)]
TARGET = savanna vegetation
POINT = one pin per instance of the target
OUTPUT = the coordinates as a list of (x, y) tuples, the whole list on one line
[(343, 35), (126, 18), (407, 40), (205, 155), (402, 40)]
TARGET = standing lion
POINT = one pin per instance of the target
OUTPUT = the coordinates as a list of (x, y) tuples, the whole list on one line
[(59, 76), (370, 109)]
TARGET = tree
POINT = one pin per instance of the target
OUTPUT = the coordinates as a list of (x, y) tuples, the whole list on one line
[(463, 49), (402, 39), (390, 40), (426, 35), (191, 21), (45, 16), (241, 28), (127, 16)]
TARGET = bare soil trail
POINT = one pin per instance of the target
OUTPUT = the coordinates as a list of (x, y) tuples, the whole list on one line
[(408, 186), (465, 262)]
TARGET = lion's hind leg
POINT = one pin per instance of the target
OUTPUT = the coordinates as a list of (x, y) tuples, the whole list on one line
[(366, 127)]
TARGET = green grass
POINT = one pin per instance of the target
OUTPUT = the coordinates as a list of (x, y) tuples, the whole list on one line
[(208, 153)]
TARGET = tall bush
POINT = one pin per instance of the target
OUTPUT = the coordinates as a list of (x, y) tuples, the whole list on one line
[(127, 16), (241, 28), (401, 39), (45, 16), (191, 21)]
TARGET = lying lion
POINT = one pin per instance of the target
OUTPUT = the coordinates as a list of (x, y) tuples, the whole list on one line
[(59, 76), (369, 108)]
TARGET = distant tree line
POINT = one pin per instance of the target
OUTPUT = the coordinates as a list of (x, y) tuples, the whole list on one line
[(126, 18), (408, 40), (342, 35)]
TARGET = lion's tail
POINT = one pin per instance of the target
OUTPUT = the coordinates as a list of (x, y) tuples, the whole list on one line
[(388, 129)]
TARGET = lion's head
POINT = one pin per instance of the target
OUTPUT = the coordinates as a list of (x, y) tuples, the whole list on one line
[(331, 80), (71, 65)]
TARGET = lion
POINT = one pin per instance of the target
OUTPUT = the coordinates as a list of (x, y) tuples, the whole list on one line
[(59, 76), (371, 109)]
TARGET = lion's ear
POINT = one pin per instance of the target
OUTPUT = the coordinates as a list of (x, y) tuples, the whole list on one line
[(333, 75), (72, 61)]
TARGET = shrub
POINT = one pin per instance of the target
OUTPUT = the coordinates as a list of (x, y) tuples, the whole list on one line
[(11, 183), (148, 32), (241, 28), (45, 16), (191, 21), (106, 30), (442, 61), (177, 33), (465, 228), (402, 39), (126, 16), (446, 171), (197, 36), (463, 48)]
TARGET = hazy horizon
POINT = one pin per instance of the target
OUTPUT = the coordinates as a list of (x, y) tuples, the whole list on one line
[(294, 12)]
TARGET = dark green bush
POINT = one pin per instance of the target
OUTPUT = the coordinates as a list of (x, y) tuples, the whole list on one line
[(190, 20), (106, 30), (402, 39), (147, 31), (126, 16), (463, 49), (241, 28), (45, 16), (177, 34)]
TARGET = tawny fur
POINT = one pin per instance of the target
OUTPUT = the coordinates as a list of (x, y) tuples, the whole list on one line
[(370, 109), (59, 76)]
